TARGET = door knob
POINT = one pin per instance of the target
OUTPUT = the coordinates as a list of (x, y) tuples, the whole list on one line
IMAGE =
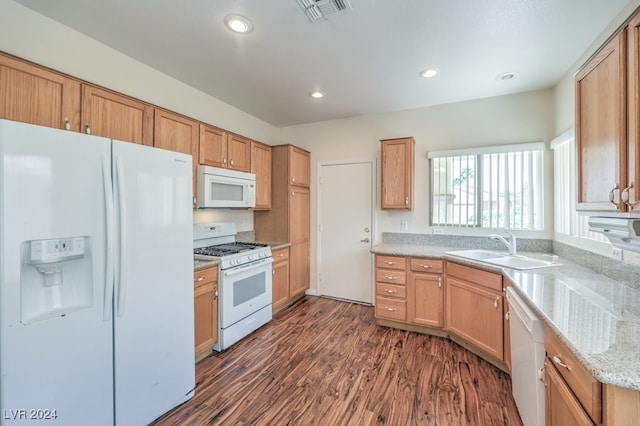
[(366, 240), (366, 229)]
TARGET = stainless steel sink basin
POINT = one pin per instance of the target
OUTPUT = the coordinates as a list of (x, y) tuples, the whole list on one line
[(503, 259)]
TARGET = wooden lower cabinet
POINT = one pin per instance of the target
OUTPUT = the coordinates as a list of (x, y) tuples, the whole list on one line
[(562, 408), (280, 279), (391, 292), (426, 296), (299, 268), (205, 310), (475, 314)]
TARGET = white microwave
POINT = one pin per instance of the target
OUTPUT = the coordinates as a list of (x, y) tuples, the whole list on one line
[(224, 188)]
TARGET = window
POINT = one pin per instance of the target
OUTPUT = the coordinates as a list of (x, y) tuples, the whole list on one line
[(493, 187), (566, 219)]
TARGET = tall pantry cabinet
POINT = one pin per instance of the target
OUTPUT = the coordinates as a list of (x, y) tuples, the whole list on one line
[(288, 219)]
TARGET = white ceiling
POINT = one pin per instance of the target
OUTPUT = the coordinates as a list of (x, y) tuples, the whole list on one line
[(366, 60)]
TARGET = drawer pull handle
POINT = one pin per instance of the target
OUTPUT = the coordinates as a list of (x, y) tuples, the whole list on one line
[(426, 266), (388, 262), (390, 278), (391, 291), (391, 309), (200, 279), (558, 361)]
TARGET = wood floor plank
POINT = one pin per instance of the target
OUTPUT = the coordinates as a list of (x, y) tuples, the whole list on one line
[(323, 361)]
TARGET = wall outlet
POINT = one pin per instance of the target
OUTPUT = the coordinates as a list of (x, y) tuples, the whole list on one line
[(438, 231), (404, 225), (616, 253)]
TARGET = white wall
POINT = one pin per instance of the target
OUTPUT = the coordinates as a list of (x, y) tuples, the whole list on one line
[(32, 36), (525, 117)]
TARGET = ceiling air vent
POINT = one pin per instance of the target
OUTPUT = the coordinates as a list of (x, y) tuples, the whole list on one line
[(318, 9)]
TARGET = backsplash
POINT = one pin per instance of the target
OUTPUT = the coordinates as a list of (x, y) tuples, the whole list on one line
[(467, 242), (612, 268)]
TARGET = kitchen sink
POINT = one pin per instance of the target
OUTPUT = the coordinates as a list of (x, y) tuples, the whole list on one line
[(476, 254), (503, 259)]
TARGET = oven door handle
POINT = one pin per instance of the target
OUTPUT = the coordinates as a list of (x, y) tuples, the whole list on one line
[(242, 268)]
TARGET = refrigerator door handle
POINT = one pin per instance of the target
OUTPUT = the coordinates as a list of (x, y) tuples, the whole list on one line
[(122, 211), (108, 276)]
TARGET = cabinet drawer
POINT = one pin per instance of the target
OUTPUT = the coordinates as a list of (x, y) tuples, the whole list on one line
[(393, 277), (486, 279), (394, 309), (391, 290), (205, 276), (586, 388), (426, 265), (391, 262), (280, 255)]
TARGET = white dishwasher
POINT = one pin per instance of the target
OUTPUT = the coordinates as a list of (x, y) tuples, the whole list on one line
[(527, 359)]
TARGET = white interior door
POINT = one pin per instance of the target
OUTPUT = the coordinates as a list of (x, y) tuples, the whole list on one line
[(346, 193)]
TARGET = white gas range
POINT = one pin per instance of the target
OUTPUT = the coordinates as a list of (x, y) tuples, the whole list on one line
[(244, 287)]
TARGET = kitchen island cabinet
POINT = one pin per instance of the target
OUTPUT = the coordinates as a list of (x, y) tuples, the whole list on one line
[(111, 115), (36, 95), (205, 311)]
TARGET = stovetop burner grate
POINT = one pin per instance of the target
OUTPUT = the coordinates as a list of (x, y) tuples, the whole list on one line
[(221, 250)]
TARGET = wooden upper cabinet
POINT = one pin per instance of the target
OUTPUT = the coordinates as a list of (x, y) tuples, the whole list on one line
[(34, 95), (213, 146), (631, 194), (299, 167), (219, 148), (397, 173), (239, 151), (177, 133), (115, 116), (601, 128), (261, 167)]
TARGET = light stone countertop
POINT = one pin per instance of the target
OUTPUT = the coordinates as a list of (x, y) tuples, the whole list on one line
[(596, 317)]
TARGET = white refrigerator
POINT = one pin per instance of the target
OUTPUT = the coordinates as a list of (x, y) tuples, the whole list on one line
[(96, 270)]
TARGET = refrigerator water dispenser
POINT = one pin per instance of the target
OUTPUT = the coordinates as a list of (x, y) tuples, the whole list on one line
[(56, 277)]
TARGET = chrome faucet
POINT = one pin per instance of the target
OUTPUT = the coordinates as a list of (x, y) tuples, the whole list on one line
[(511, 244)]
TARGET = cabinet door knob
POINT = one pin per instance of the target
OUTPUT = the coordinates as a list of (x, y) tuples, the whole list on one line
[(67, 123), (390, 278), (612, 196), (231, 161), (558, 361), (200, 279), (391, 309), (391, 291), (224, 160), (495, 302), (389, 262), (426, 266), (406, 201), (87, 128), (440, 282), (293, 179), (506, 316)]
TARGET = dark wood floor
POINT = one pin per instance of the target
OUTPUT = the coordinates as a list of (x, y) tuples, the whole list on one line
[(326, 362)]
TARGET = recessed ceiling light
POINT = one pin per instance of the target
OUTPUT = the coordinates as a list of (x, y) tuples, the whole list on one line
[(238, 24), (429, 72), (317, 94), (507, 76)]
